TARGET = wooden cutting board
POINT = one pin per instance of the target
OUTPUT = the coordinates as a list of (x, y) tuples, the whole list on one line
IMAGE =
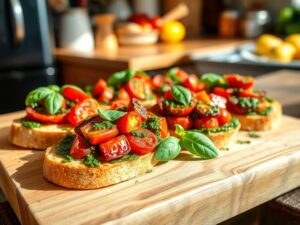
[(182, 191)]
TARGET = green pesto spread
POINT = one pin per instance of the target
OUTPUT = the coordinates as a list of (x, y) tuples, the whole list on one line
[(128, 157)]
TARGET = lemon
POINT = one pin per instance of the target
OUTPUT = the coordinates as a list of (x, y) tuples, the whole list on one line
[(284, 52), (294, 39), (172, 31), (266, 42)]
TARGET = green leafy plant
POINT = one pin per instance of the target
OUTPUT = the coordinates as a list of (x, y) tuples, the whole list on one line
[(168, 149), (110, 115), (181, 94), (212, 80), (122, 76)]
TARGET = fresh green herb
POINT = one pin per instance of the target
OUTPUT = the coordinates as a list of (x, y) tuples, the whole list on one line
[(168, 149), (128, 157), (196, 143), (243, 141), (61, 110), (54, 87), (234, 123), (224, 149), (68, 159), (266, 111), (253, 134), (163, 88), (181, 94), (172, 74), (91, 161), (140, 134), (248, 103), (69, 103), (152, 123), (110, 115), (37, 95), (64, 146), (53, 102), (122, 77), (30, 124), (269, 99), (158, 135), (102, 125), (212, 80)]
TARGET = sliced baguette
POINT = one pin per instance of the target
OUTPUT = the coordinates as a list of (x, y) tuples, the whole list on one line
[(76, 175), (260, 123), (37, 138)]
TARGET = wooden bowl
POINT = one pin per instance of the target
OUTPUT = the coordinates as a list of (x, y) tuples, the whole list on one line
[(138, 38)]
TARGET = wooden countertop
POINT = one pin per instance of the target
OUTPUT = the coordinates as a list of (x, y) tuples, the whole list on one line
[(183, 191), (149, 57)]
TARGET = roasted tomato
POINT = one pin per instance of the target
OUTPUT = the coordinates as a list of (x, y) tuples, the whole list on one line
[(186, 122), (205, 110), (99, 132), (142, 141), (248, 94), (129, 122), (238, 81), (45, 118), (136, 88), (169, 95), (202, 96), (160, 125), (123, 94), (157, 81), (79, 149), (99, 87), (192, 83), (179, 110), (117, 104), (136, 106), (226, 93), (74, 93), (107, 95), (83, 110), (115, 148), (224, 117), (206, 122), (235, 108)]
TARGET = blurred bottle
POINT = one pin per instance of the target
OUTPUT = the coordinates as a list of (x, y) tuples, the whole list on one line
[(229, 24)]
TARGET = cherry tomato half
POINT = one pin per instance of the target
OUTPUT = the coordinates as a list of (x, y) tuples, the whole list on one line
[(202, 96), (192, 83), (123, 94), (226, 93), (45, 118), (116, 104), (238, 81), (136, 88), (99, 87), (136, 106), (157, 81), (74, 93), (224, 117), (142, 141), (248, 94), (83, 110), (107, 95), (162, 124), (178, 110), (129, 122), (115, 148), (186, 122), (79, 149), (209, 122)]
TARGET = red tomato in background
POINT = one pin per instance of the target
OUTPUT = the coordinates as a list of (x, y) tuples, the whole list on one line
[(116, 104), (74, 93), (180, 111), (107, 95), (192, 83), (135, 105), (157, 81), (79, 149), (142, 145), (99, 87), (235, 108), (226, 93), (45, 118), (83, 110), (249, 94), (238, 81), (136, 88), (202, 96), (123, 94), (156, 22), (169, 95), (129, 122), (115, 148), (186, 122), (206, 122), (224, 117)]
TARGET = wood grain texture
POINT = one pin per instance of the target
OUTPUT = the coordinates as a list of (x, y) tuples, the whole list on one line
[(183, 191)]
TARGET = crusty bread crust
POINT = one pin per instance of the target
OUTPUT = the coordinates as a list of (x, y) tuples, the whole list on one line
[(260, 123), (78, 176), (37, 138)]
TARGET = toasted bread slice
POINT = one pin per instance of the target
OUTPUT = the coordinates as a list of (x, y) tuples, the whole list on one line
[(37, 138), (76, 175), (260, 123)]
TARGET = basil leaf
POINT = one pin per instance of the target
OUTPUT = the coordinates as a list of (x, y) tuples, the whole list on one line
[(110, 115), (168, 149), (54, 87), (172, 74), (181, 94), (122, 76), (53, 102), (213, 80), (37, 95), (64, 146)]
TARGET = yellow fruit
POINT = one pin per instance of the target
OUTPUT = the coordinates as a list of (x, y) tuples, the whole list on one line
[(284, 52), (173, 31), (266, 42), (294, 39)]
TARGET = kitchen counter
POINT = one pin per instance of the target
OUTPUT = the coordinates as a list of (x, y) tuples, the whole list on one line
[(86, 67)]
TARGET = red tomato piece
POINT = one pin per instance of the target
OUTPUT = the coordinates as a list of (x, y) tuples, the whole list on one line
[(181, 75), (83, 110), (79, 149), (177, 110), (123, 94), (169, 95), (115, 148), (186, 122), (206, 122), (157, 81), (192, 83), (129, 122), (99, 87), (136, 106), (143, 143), (248, 94), (45, 118), (135, 88), (162, 124), (107, 95), (224, 117), (116, 104), (235, 108), (202, 96), (238, 81), (74, 94), (156, 22), (226, 93)]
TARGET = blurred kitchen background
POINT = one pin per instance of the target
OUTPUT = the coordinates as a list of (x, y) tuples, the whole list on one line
[(78, 41)]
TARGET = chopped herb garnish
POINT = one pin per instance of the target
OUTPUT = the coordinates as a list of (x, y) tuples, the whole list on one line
[(140, 134), (253, 134), (248, 103), (224, 149), (68, 159), (269, 99), (30, 124), (63, 147), (125, 158), (243, 141), (91, 161), (102, 125), (265, 112), (153, 123)]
